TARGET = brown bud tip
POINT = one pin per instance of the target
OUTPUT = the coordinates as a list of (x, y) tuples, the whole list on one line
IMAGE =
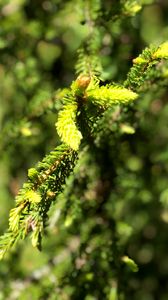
[(83, 81)]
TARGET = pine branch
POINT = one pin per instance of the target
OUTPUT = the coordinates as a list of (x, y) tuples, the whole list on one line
[(66, 126), (47, 179), (143, 66), (107, 96), (89, 62), (86, 91), (34, 199)]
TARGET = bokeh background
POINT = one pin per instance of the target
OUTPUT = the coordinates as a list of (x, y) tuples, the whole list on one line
[(38, 51)]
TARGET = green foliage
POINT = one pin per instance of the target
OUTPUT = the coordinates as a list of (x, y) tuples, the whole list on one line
[(34, 199), (143, 65), (66, 126), (97, 205), (109, 95), (84, 90)]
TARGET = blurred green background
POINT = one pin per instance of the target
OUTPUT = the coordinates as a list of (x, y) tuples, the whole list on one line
[(38, 51)]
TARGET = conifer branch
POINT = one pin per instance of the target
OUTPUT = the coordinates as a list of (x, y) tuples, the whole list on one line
[(107, 96), (102, 166), (88, 62), (34, 199), (46, 180), (86, 90), (144, 64), (66, 126)]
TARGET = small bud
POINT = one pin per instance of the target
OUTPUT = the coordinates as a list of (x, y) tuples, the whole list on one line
[(50, 194), (139, 61), (83, 82), (32, 173)]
